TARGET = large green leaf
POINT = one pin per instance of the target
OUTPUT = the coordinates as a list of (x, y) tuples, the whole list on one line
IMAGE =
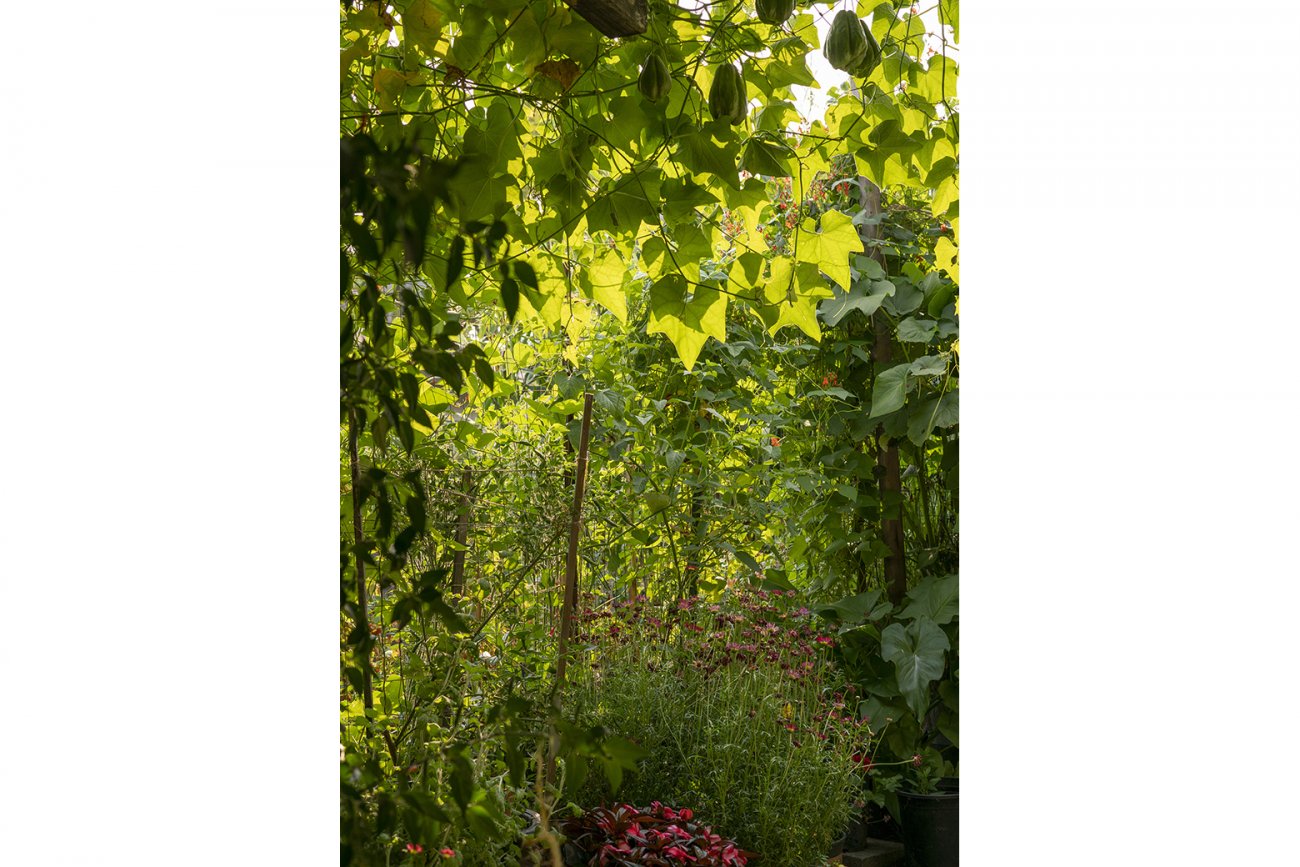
[(917, 652), (768, 157), (938, 411), (687, 318), (705, 157), (890, 391), (604, 280), (934, 598), (422, 25), (865, 297), (851, 609), (830, 248)]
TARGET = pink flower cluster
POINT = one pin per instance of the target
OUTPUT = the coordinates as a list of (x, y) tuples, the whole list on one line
[(657, 836)]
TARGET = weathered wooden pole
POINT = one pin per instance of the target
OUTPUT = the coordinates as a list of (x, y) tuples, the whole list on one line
[(462, 533), (575, 530), (891, 520), (362, 618)]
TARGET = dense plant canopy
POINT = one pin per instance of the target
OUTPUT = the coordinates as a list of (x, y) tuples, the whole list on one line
[(754, 297)]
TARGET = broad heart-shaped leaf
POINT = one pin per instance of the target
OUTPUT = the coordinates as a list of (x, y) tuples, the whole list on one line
[(890, 390), (929, 365), (934, 598), (913, 330), (830, 248), (917, 652), (864, 296), (687, 318), (936, 412), (766, 157)]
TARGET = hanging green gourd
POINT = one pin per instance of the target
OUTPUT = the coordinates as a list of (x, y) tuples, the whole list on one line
[(727, 95), (774, 11), (846, 45), (871, 59), (655, 78)]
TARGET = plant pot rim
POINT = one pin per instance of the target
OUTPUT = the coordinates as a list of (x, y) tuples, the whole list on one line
[(934, 796)]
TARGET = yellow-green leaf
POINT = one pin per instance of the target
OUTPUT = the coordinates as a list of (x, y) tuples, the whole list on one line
[(829, 249), (945, 256), (687, 318), (605, 276), (422, 25)]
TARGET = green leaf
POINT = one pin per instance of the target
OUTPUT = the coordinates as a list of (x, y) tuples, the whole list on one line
[(866, 298), (422, 25), (687, 318), (699, 153), (917, 653), (455, 259), (763, 156), (913, 330), (851, 609), (830, 248), (929, 365), (510, 297), (604, 279), (790, 296), (657, 501), (890, 391), (389, 84), (939, 411), (934, 598), (949, 15)]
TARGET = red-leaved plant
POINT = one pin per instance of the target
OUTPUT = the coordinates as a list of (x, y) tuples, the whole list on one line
[(658, 836)]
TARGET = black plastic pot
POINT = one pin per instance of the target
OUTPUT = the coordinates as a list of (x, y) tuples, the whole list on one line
[(837, 849), (875, 823), (930, 837)]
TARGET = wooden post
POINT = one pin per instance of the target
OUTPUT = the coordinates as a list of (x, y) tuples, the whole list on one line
[(575, 529), (462, 533), (363, 602), (614, 18), (891, 525)]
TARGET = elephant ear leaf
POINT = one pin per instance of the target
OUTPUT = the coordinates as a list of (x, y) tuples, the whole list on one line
[(917, 652), (935, 598)]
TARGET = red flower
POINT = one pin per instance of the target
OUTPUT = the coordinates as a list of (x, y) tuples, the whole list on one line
[(775, 441), (862, 761), (916, 761), (414, 848)]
